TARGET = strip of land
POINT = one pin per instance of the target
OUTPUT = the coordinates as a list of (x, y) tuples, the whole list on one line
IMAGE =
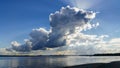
[(98, 65)]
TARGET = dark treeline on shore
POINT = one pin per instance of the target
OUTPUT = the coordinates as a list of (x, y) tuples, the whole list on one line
[(108, 54)]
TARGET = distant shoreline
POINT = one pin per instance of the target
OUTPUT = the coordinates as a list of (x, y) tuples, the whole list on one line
[(108, 54)]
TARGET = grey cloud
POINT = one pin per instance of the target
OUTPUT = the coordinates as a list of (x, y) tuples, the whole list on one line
[(66, 26), (64, 22)]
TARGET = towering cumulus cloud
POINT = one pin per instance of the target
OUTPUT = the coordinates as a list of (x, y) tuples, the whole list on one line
[(66, 30), (65, 22)]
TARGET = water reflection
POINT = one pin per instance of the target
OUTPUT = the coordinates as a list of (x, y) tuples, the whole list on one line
[(50, 61)]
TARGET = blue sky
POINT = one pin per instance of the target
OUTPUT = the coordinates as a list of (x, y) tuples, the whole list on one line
[(19, 17)]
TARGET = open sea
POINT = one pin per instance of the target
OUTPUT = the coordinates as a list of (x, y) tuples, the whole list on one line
[(53, 61)]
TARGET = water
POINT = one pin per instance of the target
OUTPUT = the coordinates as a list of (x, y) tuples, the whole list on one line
[(52, 61)]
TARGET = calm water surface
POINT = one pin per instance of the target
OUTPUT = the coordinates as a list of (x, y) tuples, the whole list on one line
[(52, 61)]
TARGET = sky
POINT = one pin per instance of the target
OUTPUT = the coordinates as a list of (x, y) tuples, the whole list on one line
[(19, 17)]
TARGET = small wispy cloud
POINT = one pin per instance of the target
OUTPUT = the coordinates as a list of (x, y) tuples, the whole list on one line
[(84, 4)]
